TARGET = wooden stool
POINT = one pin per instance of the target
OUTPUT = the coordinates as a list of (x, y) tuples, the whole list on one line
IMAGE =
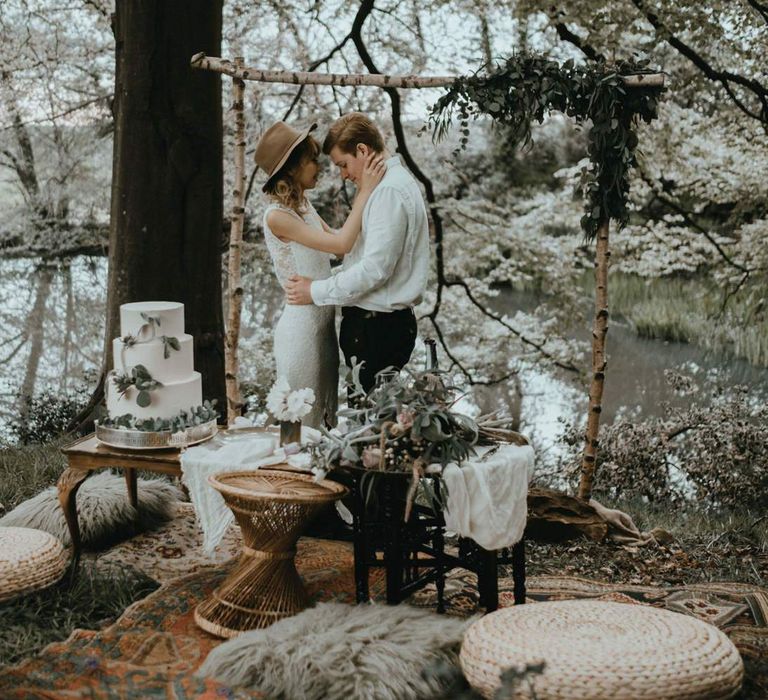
[(272, 508)]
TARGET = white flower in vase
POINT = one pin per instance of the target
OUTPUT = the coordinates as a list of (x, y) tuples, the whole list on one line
[(287, 405), (277, 396), (297, 406)]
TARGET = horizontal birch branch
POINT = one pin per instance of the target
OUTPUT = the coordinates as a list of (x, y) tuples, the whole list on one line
[(227, 67)]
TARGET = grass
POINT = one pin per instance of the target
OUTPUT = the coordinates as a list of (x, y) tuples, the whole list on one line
[(95, 598), (688, 310), (726, 546), (26, 470)]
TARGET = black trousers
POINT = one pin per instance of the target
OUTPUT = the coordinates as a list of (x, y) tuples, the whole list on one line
[(378, 340)]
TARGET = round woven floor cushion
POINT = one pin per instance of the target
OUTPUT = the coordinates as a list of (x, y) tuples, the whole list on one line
[(594, 650), (29, 560)]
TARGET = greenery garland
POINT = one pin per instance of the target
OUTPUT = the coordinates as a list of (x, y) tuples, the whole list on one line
[(197, 415), (528, 87)]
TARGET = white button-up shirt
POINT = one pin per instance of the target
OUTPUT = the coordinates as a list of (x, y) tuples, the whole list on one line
[(387, 267)]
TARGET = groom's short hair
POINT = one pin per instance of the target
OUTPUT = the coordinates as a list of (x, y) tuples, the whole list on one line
[(349, 130)]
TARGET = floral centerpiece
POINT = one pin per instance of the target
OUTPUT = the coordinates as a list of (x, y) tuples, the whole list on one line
[(289, 407), (405, 424)]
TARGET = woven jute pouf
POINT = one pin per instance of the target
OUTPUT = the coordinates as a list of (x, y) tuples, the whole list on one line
[(29, 560), (594, 650)]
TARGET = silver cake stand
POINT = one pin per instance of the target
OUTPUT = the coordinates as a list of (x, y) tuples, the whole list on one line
[(144, 440)]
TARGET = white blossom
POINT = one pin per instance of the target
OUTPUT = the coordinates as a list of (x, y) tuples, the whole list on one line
[(287, 405)]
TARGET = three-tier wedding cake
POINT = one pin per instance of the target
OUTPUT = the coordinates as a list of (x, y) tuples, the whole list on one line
[(154, 386)]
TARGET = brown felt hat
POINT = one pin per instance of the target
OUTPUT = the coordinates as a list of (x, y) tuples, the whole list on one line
[(276, 144)]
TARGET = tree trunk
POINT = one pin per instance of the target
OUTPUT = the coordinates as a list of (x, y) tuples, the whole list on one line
[(165, 229), (599, 331), (35, 333), (234, 286), (558, 517), (69, 324)]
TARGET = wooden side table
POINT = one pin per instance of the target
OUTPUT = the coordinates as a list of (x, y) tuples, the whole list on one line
[(87, 455)]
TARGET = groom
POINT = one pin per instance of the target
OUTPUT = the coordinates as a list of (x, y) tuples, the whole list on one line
[(385, 273)]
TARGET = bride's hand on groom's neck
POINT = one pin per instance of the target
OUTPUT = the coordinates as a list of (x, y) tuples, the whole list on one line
[(373, 172)]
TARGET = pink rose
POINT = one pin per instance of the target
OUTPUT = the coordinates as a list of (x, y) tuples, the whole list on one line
[(371, 457), (405, 418)]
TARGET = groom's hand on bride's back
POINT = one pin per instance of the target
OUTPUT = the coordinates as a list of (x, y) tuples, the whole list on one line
[(297, 290)]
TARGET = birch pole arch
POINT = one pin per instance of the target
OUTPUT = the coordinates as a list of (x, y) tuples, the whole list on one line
[(526, 88)]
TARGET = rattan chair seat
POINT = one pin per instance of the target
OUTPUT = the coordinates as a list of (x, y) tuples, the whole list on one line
[(29, 560), (276, 485), (595, 649)]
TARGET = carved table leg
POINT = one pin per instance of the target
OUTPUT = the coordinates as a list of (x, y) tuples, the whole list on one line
[(68, 485), (130, 482)]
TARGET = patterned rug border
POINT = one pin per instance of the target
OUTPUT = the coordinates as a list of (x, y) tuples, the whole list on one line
[(547, 581), (705, 587)]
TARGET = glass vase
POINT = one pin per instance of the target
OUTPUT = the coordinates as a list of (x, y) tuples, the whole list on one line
[(290, 431)]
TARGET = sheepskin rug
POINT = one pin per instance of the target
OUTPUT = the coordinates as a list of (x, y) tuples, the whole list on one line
[(104, 513), (354, 652)]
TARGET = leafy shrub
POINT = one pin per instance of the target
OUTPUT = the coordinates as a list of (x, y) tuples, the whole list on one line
[(714, 449), (48, 415)]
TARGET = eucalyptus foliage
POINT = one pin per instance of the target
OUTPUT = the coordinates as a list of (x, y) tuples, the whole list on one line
[(410, 415), (197, 415), (169, 343), (140, 378), (528, 87)]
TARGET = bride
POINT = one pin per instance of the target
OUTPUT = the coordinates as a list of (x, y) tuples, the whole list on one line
[(301, 243)]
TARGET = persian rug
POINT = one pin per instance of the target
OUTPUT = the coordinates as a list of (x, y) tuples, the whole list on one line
[(174, 549), (153, 649)]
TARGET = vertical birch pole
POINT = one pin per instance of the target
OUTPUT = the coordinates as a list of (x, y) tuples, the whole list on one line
[(599, 331), (234, 286)]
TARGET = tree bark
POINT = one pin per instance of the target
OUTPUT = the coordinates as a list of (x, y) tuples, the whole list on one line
[(167, 201), (599, 332), (557, 517), (69, 323), (234, 286), (288, 77), (35, 333), (23, 163)]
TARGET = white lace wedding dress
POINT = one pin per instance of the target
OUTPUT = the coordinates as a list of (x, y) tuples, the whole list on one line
[(305, 345)]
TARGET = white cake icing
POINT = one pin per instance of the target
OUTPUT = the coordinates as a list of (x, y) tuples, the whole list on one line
[(141, 343), (179, 364), (170, 313), (167, 401)]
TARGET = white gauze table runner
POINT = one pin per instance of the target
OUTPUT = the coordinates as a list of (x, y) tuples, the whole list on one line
[(229, 452), (488, 495)]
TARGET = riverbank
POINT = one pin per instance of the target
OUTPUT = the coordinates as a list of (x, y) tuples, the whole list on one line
[(689, 310)]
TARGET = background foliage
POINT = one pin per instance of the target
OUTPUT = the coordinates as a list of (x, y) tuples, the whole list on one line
[(689, 265)]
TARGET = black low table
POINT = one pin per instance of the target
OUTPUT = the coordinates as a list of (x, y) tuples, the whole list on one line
[(413, 553)]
